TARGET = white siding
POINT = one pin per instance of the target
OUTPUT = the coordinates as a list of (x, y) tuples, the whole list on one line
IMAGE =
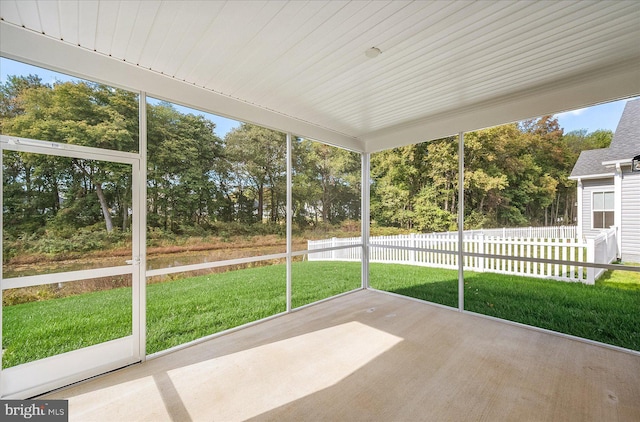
[(630, 231), (590, 186)]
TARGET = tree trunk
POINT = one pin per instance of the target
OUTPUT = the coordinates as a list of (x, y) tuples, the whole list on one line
[(27, 182), (155, 192), (454, 200), (446, 196), (260, 202), (274, 205), (325, 196), (546, 212), (56, 194), (125, 214), (165, 210), (101, 198), (104, 207)]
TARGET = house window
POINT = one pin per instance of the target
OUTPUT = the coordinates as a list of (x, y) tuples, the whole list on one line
[(603, 210)]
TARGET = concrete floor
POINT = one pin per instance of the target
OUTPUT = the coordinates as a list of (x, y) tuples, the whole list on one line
[(371, 356)]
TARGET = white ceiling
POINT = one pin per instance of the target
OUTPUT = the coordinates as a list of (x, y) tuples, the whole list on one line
[(446, 66)]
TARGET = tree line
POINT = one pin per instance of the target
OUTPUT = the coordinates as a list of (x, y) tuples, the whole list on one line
[(515, 174), (195, 179)]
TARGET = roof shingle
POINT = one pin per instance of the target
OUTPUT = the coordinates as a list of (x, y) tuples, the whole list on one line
[(626, 140), (589, 163), (624, 146)]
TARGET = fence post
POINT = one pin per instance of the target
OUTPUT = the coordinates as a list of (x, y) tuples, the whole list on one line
[(591, 257), (412, 253), (333, 245), (481, 251)]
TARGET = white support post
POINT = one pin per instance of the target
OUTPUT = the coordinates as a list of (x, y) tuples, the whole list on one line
[(289, 218), (365, 211), (460, 221), (140, 250)]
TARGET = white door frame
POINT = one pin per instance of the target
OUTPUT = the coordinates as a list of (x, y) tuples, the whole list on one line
[(37, 377)]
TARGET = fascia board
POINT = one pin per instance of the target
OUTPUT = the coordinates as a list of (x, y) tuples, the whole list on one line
[(613, 163), (592, 176)]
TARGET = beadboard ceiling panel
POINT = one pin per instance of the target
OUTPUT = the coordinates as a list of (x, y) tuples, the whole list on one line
[(68, 15), (48, 13), (106, 25), (466, 64)]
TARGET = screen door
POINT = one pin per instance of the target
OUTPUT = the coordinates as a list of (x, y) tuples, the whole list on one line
[(71, 266)]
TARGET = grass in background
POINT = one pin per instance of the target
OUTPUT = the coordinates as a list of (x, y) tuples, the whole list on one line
[(317, 280), (177, 311), (621, 279), (37, 330), (607, 312), (190, 308), (431, 284)]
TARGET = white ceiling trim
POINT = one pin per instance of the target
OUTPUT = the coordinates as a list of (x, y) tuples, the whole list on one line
[(39, 50)]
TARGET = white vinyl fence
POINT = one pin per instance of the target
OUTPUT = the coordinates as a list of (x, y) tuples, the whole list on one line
[(602, 249), (439, 250), (549, 232)]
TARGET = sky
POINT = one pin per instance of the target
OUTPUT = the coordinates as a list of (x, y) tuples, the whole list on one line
[(603, 116)]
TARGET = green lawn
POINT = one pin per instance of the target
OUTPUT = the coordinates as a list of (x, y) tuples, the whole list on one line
[(621, 279), (190, 308), (177, 311), (608, 312), (36, 330)]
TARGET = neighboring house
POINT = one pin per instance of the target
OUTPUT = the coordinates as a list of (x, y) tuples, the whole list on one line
[(609, 186)]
